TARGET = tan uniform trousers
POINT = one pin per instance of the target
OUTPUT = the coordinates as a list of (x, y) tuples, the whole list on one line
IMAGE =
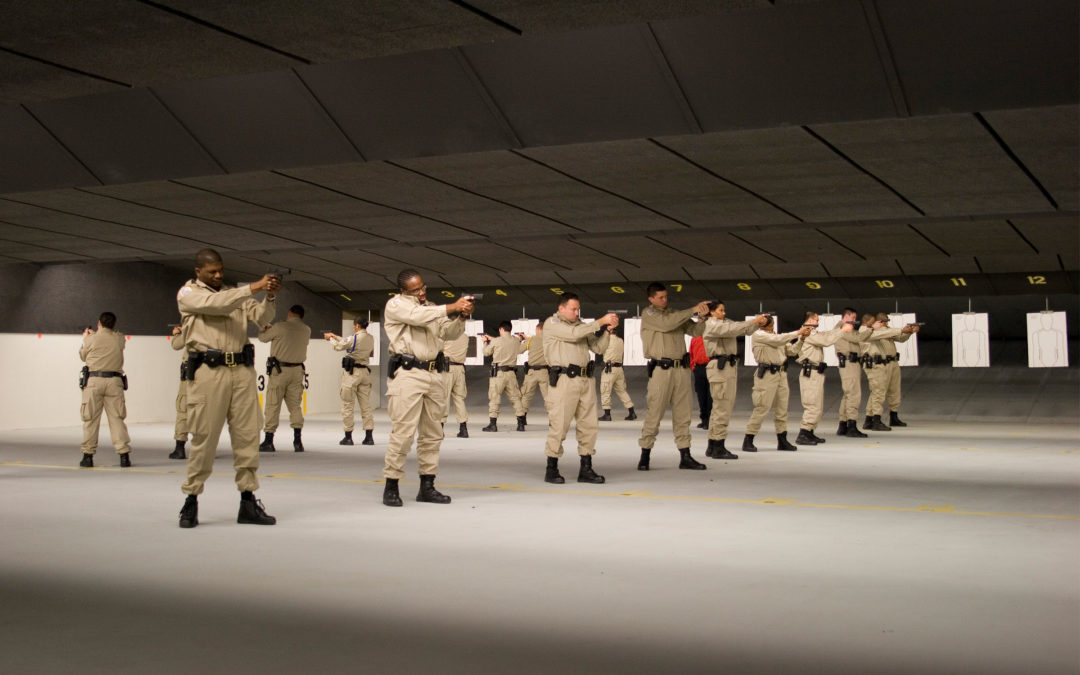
[(104, 394), (878, 380), (722, 386), (668, 387), (356, 387), (504, 381), (288, 385), (614, 381), (180, 431), (416, 402), (851, 382), (812, 395), (534, 379), (892, 388), (455, 393), (770, 394), (572, 400), (214, 397)]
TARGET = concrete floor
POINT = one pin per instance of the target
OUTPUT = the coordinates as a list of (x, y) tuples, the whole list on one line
[(943, 547)]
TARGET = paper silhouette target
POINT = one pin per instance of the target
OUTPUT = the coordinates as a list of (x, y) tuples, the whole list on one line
[(971, 340), (1047, 340)]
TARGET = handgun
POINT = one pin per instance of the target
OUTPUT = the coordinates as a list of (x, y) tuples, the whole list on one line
[(617, 311), (474, 296), (174, 325), (917, 323), (280, 272)]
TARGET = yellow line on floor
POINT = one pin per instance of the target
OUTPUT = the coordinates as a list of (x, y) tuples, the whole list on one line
[(627, 494)]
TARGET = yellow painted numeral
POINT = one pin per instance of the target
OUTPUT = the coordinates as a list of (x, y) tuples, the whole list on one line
[(617, 289), (1037, 280), (884, 283), (557, 291), (813, 285), (499, 291), (742, 286), (677, 287), (958, 281), (448, 294)]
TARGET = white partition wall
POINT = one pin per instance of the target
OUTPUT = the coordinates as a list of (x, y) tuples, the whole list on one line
[(528, 327), (1047, 340), (473, 328), (971, 340), (908, 351), (633, 351), (828, 322)]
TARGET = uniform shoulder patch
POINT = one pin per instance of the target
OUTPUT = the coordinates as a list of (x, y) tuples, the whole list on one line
[(185, 290)]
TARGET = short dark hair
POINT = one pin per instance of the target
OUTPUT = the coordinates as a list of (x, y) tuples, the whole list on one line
[(867, 318), (846, 310), (207, 256), (713, 304), (404, 276), (882, 316), (768, 320), (506, 326), (567, 297), (363, 323), (809, 315), (654, 288), (108, 320), (297, 310)]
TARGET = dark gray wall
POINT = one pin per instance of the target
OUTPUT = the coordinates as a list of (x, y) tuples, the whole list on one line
[(64, 298)]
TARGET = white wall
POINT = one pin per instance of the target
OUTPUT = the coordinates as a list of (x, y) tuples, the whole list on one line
[(41, 375)]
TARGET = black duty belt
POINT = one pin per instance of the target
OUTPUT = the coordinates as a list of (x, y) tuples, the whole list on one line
[(530, 367), (809, 366), (349, 364), (215, 358), (666, 364), (853, 356), (495, 370), (85, 374), (104, 373), (456, 363), (440, 364), (571, 371), (273, 364), (609, 366), (772, 368), (725, 360)]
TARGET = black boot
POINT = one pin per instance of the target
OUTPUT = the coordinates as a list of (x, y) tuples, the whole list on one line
[(709, 448), (189, 512), (894, 420), (347, 440), (748, 443), (868, 422), (817, 438), (521, 423), (551, 474), (720, 452), (428, 493), (491, 426), (630, 415), (390, 496), (643, 463), (877, 425), (805, 437), (586, 473), (842, 429), (463, 430), (853, 430), (688, 462), (368, 438), (252, 511), (297, 443), (606, 417), (125, 460), (268, 444), (87, 461), (782, 443), (178, 453), (525, 418)]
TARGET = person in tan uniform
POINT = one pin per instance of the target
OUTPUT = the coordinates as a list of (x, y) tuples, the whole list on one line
[(221, 381), (180, 429), (662, 331), (417, 330), (536, 373), (572, 393), (880, 353), (103, 383), (892, 367), (812, 381), (771, 391), (457, 350), (355, 379), (613, 378), (504, 351), (848, 354), (285, 372), (721, 339)]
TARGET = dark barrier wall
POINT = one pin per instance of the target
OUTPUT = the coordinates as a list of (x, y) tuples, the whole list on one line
[(65, 298)]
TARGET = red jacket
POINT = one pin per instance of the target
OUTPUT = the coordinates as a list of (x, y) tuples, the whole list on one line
[(697, 353)]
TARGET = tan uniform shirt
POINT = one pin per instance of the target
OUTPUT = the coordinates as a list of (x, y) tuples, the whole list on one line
[(504, 349), (567, 344), (457, 350), (419, 330), (722, 337), (662, 332), (218, 319), (880, 342), (103, 350), (774, 349), (813, 345), (536, 351), (616, 349), (288, 340), (359, 346), (853, 341)]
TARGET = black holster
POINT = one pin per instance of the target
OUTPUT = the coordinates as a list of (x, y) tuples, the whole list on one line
[(84, 377), (123, 380), (841, 359), (348, 363), (272, 364)]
